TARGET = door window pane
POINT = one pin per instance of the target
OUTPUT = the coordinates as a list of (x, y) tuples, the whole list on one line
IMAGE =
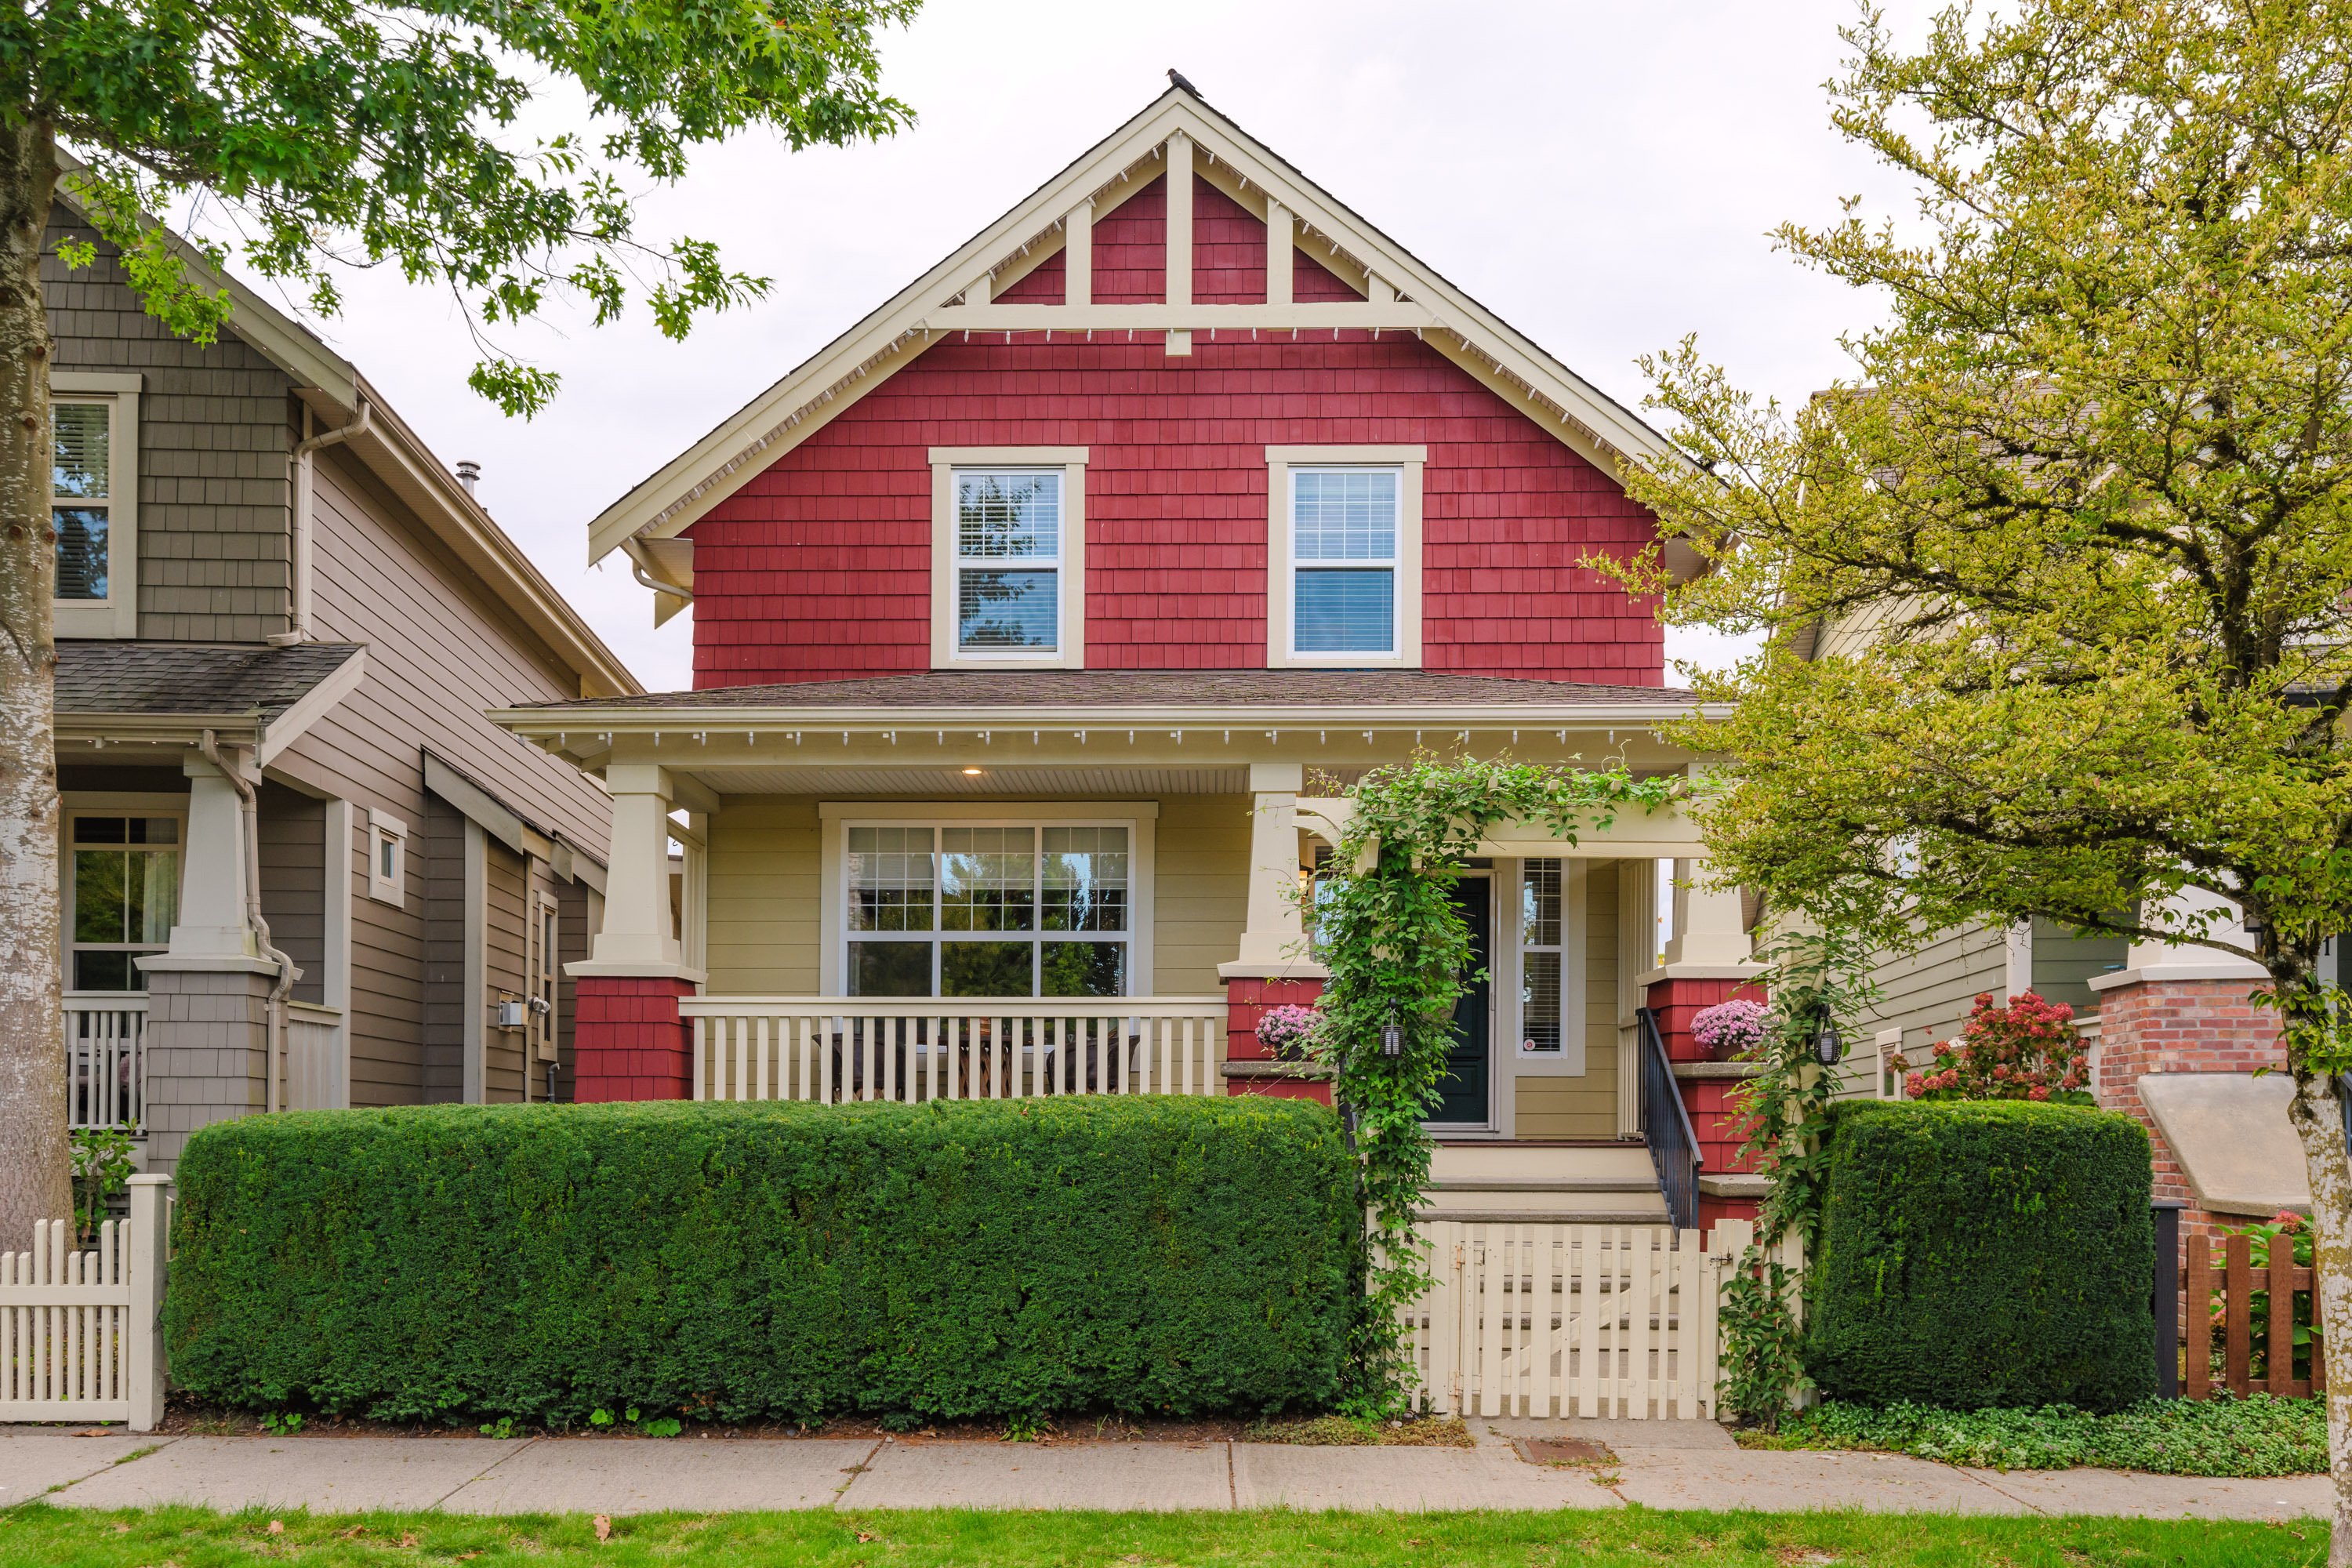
[(988, 879), (1539, 903), (1541, 931), (889, 969), (1084, 969), (1539, 1020), (987, 969)]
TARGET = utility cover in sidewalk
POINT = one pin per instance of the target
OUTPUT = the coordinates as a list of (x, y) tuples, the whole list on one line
[(1563, 1451)]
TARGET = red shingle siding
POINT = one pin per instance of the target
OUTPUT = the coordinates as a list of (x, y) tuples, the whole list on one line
[(1046, 284), (628, 1041), (819, 568)]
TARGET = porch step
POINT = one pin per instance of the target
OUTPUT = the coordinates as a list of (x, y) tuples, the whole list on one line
[(1563, 1217), (1551, 1184)]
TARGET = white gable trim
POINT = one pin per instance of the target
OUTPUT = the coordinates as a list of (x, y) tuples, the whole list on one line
[(959, 295)]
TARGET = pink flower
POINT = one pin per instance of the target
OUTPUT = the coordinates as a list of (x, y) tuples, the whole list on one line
[(2037, 1093)]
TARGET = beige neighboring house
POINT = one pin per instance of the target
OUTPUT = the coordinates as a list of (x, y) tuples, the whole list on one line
[(2174, 1039), (280, 620)]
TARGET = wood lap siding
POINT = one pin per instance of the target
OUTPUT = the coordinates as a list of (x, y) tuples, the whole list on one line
[(439, 654), (577, 911), (506, 899), (764, 927), (1200, 874), (294, 882), (215, 426), (438, 852), (819, 568), (1927, 991)]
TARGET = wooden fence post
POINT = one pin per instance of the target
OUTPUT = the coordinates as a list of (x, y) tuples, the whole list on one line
[(151, 1245)]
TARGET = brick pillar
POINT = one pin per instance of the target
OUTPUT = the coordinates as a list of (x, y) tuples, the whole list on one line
[(1247, 998), (2180, 1026), (207, 1047), (1676, 1001), (628, 1041)]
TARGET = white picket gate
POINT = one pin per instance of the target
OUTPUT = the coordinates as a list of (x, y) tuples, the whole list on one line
[(81, 1336), (1574, 1320)]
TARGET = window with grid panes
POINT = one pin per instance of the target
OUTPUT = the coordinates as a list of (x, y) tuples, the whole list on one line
[(125, 896), (1343, 553), (954, 909), (1008, 560)]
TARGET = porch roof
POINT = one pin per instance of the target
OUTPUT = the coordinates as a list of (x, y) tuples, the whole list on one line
[(168, 693), (1123, 691)]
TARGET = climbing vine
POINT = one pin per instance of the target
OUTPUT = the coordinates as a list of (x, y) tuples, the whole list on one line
[(1395, 948), (1813, 977)]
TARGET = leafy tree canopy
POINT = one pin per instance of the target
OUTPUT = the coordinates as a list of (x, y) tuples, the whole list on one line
[(328, 132), (2057, 584)]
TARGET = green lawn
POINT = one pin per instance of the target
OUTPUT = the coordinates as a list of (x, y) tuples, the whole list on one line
[(39, 1536)]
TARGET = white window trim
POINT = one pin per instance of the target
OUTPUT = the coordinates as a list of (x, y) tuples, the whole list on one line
[(117, 615), (1139, 818), (1071, 634), (393, 889), (1408, 461), (104, 802)]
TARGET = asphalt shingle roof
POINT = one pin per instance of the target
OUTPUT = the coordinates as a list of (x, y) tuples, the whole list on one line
[(191, 678)]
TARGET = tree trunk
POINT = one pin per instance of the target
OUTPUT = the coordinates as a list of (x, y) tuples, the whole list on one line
[(2318, 1120), (36, 1167)]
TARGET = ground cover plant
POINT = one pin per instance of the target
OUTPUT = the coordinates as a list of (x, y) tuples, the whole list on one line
[(2255, 1436), (192, 1538), (674, 1262)]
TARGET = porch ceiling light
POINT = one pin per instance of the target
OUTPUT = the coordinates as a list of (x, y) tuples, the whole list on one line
[(972, 772)]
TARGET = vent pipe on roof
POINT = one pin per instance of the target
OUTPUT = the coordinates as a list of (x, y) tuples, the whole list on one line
[(468, 471)]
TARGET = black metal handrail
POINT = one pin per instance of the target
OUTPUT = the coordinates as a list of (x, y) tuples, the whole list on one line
[(1667, 1127)]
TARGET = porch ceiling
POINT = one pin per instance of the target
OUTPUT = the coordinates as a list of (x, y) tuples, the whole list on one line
[(1095, 783)]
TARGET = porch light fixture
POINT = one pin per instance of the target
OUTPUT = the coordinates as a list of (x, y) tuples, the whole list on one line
[(1827, 1046), (1392, 1037)]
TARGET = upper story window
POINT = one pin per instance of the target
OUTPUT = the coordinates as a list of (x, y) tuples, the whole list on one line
[(1008, 559), (1344, 560), (93, 486), (124, 895)]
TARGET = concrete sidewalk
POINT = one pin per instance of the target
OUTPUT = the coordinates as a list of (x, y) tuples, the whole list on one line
[(1666, 1465)]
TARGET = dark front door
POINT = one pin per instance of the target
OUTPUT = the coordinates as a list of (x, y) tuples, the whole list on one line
[(1463, 1092)]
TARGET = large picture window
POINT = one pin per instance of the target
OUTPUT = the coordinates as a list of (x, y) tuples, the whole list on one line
[(124, 896), (975, 910)]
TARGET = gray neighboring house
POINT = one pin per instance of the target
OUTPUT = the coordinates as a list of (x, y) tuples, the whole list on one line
[(281, 622)]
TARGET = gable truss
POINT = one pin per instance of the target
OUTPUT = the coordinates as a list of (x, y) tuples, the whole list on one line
[(1177, 136)]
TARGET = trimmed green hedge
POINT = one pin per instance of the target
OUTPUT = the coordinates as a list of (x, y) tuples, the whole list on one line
[(740, 1262), (1985, 1253)]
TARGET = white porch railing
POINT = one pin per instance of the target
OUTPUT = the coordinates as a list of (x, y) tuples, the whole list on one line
[(106, 1059), (861, 1048)]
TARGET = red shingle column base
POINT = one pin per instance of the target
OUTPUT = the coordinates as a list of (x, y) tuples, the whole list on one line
[(1676, 1002), (628, 1040), (1247, 1000), (2180, 1026)]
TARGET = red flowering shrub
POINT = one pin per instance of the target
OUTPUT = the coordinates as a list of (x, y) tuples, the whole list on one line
[(2027, 1050)]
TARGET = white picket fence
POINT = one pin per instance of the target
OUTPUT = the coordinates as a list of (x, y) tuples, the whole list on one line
[(82, 1335), (859, 1047), (1574, 1320)]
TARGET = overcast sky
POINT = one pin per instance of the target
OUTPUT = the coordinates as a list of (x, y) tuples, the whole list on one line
[(1603, 175)]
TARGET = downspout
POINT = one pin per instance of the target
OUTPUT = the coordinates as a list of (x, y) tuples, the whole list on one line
[(299, 594), (283, 984), (637, 570)]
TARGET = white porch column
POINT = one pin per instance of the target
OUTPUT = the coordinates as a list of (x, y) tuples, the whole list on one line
[(637, 937), (1708, 927), (1275, 944), (2156, 961), (212, 912)]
